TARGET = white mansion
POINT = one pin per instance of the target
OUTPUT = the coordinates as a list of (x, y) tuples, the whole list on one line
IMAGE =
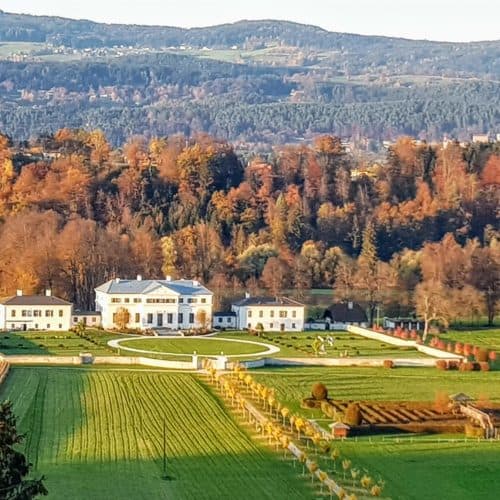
[(274, 314), (170, 304)]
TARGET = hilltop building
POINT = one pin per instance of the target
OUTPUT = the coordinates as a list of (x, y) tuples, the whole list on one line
[(155, 304)]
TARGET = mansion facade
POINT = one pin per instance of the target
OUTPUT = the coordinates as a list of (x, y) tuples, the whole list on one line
[(155, 304)]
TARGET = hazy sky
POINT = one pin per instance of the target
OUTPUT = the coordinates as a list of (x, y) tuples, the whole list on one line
[(454, 20)]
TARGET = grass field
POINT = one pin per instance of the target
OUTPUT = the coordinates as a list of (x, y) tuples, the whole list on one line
[(60, 343), (204, 347), (429, 469), (489, 338), (293, 344), (415, 384), (99, 434)]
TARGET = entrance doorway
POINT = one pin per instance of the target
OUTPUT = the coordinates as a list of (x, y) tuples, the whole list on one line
[(160, 319)]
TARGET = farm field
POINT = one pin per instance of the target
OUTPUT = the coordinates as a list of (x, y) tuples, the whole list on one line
[(59, 343), (427, 468), (346, 383), (106, 440), (293, 344), (489, 338)]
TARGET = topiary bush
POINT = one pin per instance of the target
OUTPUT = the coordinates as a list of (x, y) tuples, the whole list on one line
[(484, 366), (481, 355), (388, 363), (319, 391), (441, 364), (353, 415)]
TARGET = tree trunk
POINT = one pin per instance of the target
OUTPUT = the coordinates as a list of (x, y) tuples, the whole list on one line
[(426, 329)]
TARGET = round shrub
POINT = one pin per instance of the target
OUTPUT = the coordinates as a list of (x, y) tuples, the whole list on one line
[(482, 355), (466, 367), (484, 366), (388, 363), (492, 356), (441, 364), (352, 415), (319, 391)]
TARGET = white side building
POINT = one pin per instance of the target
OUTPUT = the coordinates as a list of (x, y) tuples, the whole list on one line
[(35, 312), (274, 313), (166, 304)]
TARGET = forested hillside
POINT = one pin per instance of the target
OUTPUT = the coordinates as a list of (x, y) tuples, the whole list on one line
[(76, 212), (252, 82)]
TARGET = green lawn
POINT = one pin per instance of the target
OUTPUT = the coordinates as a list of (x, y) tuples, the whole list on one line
[(99, 434), (293, 344), (204, 347), (424, 469), (489, 338), (59, 343), (360, 383)]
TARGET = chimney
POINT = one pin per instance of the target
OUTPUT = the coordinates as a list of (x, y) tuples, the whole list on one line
[(196, 283), (168, 277), (350, 305), (117, 280), (139, 277), (247, 295), (19, 293), (48, 292)]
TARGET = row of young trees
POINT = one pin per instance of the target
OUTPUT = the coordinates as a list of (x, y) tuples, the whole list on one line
[(75, 212)]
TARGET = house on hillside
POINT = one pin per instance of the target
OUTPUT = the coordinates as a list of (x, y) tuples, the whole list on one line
[(35, 312), (274, 313), (155, 304), (224, 320), (340, 315), (404, 323)]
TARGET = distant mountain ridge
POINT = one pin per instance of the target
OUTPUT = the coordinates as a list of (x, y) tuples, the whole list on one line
[(254, 82), (81, 32)]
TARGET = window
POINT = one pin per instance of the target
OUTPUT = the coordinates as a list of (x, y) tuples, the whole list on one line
[(271, 313), (115, 300), (37, 313), (181, 301), (49, 313), (293, 325), (191, 318), (137, 318), (249, 314), (261, 314), (191, 301), (270, 325), (283, 314), (249, 325), (60, 326), (160, 301), (294, 314), (94, 319), (150, 318), (126, 300), (170, 318), (219, 320), (114, 318), (180, 318), (137, 300), (61, 313), (13, 313), (203, 301), (24, 313), (48, 326), (36, 326)]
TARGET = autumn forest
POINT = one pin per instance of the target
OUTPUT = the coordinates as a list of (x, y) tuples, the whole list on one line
[(417, 233)]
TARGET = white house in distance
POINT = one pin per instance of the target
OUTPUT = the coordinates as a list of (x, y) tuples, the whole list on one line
[(274, 313), (35, 312), (90, 319), (167, 304), (224, 320)]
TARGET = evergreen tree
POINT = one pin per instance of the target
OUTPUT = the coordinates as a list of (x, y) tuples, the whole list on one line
[(14, 467)]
